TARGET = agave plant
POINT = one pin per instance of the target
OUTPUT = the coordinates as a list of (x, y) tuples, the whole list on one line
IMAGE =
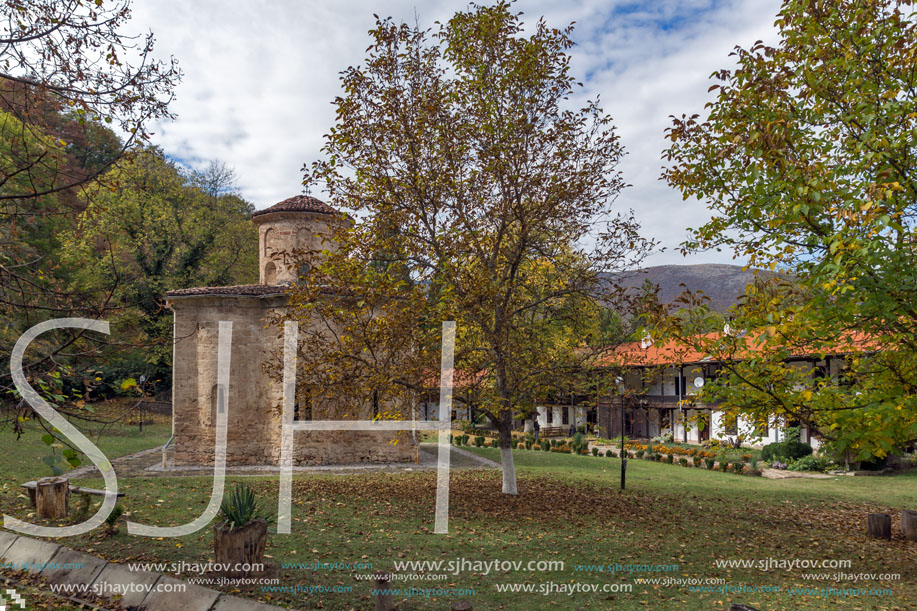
[(240, 507)]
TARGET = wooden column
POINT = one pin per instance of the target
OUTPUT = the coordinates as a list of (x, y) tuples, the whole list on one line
[(51, 497), (879, 525)]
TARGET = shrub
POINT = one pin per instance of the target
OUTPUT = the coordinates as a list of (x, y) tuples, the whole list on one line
[(874, 463), (753, 463), (670, 459), (738, 467), (240, 507), (746, 457), (810, 463), (528, 444), (112, 518), (639, 454), (611, 454), (553, 443), (698, 462), (595, 451), (545, 446), (479, 441), (790, 449), (683, 461), (710, 462)]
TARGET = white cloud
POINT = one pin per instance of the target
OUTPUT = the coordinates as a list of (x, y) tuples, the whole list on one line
[(260, 78)]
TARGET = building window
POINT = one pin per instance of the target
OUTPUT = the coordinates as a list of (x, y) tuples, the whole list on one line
[(730, 424), (665, 420), (303, 238), (270, 273), (302, 409), (566, 415), (214, 401), (303, 271), (550, 415)]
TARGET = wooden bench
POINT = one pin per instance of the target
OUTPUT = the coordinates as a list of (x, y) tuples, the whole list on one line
[(554, 431), (31, 487)]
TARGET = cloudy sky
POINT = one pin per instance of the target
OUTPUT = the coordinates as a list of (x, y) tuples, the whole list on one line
[(259, 78)]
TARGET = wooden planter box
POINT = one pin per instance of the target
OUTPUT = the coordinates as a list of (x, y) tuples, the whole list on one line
[(240, 546)]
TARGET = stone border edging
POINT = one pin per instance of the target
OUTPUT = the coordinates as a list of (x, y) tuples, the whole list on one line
[(23, 550)]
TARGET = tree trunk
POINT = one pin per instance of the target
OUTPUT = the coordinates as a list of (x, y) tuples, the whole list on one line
[(384, 599), (244, 545), (506, 453), (909, 524), (879, 525), (51, 497)]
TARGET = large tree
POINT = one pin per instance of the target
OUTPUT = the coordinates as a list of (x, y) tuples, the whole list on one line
[(480, 194), (807, 159), (160, 227), (76, 95)]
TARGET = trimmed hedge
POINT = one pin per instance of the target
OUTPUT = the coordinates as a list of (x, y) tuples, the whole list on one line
[(785, 450)]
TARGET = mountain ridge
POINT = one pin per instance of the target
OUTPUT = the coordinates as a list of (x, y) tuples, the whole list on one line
[(722, 283)]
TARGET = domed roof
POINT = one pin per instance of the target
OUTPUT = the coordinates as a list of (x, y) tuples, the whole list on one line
[(299, 203)]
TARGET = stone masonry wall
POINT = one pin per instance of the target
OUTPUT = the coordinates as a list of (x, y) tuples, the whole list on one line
[(254, 400)]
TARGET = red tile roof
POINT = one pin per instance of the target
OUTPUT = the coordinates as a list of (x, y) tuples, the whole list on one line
[(299, 203), (676, 352), (241, 290)]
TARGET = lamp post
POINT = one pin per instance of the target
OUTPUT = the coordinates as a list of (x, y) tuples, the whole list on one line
[(620, 384), (623, 449)]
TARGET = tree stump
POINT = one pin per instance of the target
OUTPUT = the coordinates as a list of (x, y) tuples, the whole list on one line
[(384, 599), (51, 497), (243, 545), (462, 605), (909, 524), (879, 525)]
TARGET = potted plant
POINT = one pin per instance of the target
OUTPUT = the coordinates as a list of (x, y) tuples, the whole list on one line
[(241, 534)]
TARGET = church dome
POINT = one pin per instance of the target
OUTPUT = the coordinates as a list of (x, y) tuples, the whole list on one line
[(299, 203)]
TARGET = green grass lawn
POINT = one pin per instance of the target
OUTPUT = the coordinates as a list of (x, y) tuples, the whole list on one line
[(569, 509), (22, 458)]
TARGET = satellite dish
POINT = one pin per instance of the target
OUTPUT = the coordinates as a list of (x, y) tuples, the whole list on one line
[(646, 342), (698, 382)]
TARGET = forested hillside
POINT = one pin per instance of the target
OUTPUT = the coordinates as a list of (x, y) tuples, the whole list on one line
[(92, 228)]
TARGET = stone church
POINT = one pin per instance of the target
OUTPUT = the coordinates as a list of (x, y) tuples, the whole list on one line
[(254, 399)]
